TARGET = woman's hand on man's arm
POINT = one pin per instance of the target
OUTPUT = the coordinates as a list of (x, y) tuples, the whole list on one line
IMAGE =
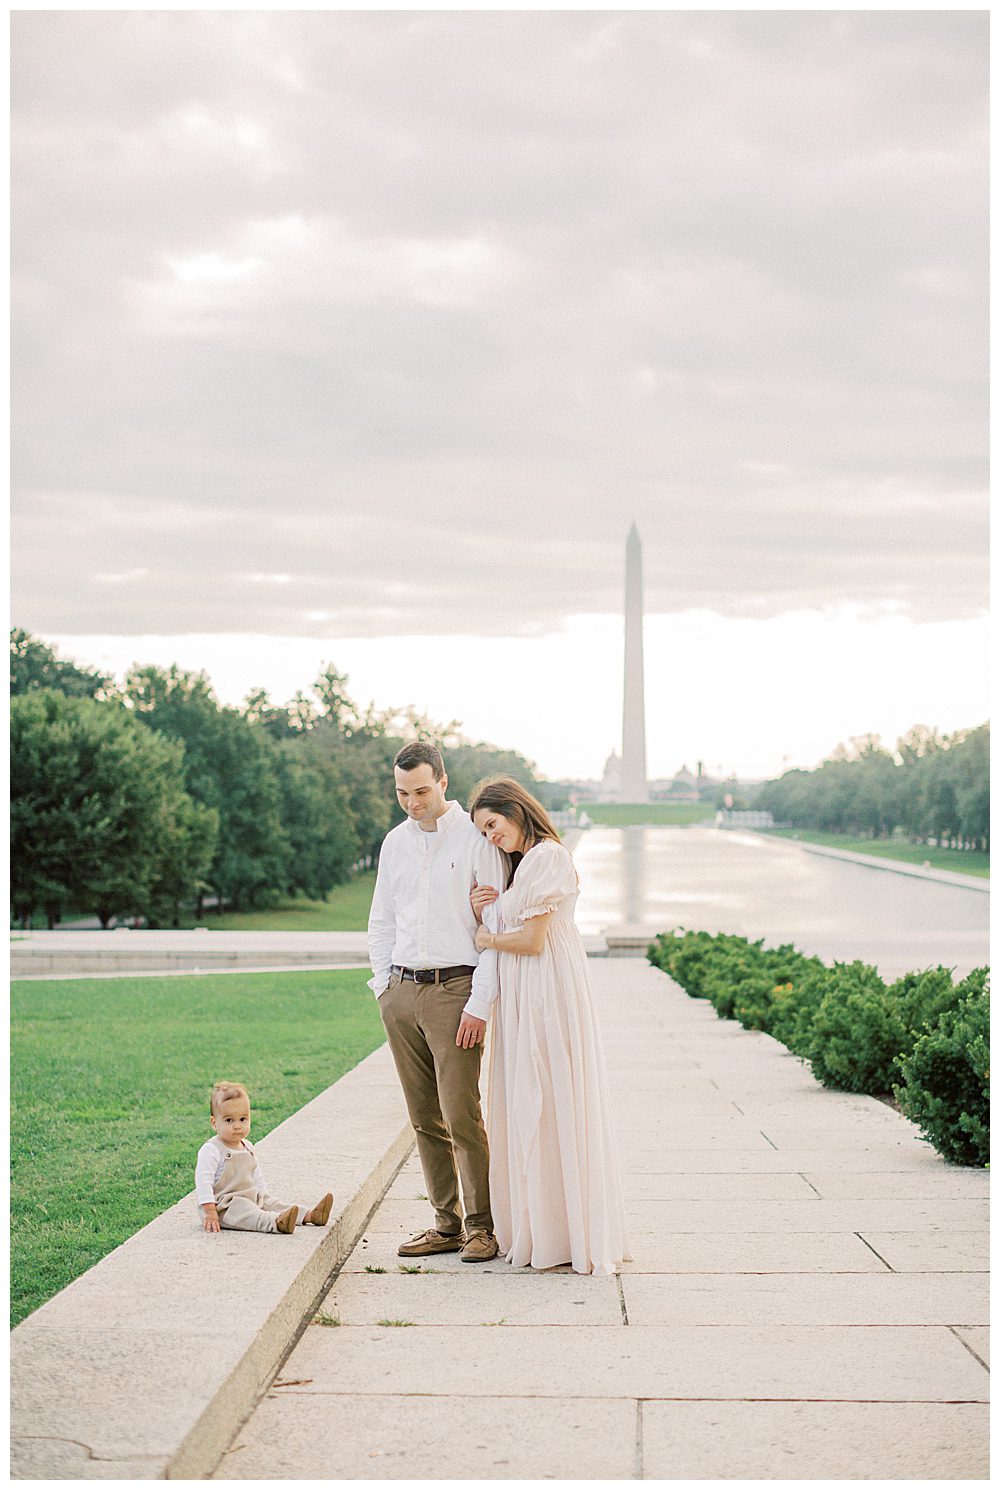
[(480, 898)]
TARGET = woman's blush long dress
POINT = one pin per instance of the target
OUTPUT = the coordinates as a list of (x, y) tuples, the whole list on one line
[(555, 1188)]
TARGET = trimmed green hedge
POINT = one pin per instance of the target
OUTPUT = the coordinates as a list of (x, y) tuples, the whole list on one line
[(946, 1077), (924, 1038)]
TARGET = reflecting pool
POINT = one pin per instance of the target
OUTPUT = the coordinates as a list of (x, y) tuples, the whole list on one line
[(708, 879)]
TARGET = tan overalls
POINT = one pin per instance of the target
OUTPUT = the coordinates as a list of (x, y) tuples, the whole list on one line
[(241, 1206)]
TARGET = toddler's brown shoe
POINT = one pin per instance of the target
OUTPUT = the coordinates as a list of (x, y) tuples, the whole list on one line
[(425, 1243), (480, 1246), (286, 1221), (319, 1214)]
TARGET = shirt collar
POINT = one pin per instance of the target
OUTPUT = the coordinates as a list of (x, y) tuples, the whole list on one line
[(450, 818)]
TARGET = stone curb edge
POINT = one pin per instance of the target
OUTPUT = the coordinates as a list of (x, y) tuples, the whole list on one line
[(200, 1452), (912, 871)]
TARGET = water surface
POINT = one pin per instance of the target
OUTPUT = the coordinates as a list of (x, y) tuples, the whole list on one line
[(707, 879)]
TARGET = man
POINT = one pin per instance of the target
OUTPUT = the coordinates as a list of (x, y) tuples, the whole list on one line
[(434, 991)]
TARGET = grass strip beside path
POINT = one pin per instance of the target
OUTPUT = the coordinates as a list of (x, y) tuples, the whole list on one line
[(648, 814), (958, 860), (345, 909), (109, 1096)]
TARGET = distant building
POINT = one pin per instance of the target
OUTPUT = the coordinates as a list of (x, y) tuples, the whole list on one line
[(611, 781), (681, 788), (727, 818)]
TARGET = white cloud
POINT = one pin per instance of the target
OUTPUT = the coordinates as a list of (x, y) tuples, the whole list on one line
[(323, 293), (128, 577), (213, 269)]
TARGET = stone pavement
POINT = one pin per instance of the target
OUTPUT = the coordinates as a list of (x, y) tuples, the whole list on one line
[(124, 952), (807, 1299)]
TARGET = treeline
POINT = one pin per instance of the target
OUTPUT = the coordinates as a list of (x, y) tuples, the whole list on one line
[(932, 788), (144, 800)]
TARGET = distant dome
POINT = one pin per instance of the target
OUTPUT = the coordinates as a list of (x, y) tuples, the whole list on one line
[(611, 782)]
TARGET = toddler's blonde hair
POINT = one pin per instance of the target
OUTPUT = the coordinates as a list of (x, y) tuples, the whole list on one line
[(225, 1091)]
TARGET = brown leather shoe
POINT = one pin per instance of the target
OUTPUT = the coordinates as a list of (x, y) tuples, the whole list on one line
[(425, 1243), (286, 1221), (319, 1214), (480, 1246)]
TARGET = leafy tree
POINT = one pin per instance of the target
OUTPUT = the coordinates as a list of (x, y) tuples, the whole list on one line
[(34, 665), (468, 762), (229, 768), (281, 721), (363, 744), (99, 814), (181, 874), (971, 758), (931, 788), (316, 818), (336, 705)]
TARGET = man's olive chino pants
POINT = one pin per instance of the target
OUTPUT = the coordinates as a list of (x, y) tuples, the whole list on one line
[(440, 1082)]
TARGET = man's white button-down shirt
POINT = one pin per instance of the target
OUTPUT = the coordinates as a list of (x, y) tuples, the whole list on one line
[(421, 916)]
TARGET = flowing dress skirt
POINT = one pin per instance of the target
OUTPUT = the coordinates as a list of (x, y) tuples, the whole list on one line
[(555, 1188)]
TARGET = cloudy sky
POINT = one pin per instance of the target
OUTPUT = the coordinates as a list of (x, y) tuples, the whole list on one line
[(365, 336)]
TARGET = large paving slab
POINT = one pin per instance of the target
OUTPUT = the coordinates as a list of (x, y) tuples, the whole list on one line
[(940, 1182), (956, 1299), (652, 1252), (814, 1441), (717, 1187), (977, 1339), (931, 1252), (443, 1296), (728, 1139), (396, 1437), (883, 1363), (769, 1160), (810, 1213), (861, 1214)]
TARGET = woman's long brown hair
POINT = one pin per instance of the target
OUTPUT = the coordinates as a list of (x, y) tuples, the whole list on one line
[(508, 797)]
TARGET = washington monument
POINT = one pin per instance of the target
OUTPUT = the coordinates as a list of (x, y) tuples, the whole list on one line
[(634, 788)]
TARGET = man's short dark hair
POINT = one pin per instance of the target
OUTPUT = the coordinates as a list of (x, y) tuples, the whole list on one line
[(420, 753)]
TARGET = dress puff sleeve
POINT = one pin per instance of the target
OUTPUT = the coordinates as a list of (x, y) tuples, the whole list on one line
[(546, 876)]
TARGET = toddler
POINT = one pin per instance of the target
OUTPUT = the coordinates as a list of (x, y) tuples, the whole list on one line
[(229, 1187)]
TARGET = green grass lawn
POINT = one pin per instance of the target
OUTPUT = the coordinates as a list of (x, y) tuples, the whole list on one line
[(962, 861), (345, 909), (109, 1096), (650, 814)]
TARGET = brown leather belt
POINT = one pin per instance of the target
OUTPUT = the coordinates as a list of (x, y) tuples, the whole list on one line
[(433, 974)]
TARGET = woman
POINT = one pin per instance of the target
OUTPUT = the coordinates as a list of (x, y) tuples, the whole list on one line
[(554, 1184)]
